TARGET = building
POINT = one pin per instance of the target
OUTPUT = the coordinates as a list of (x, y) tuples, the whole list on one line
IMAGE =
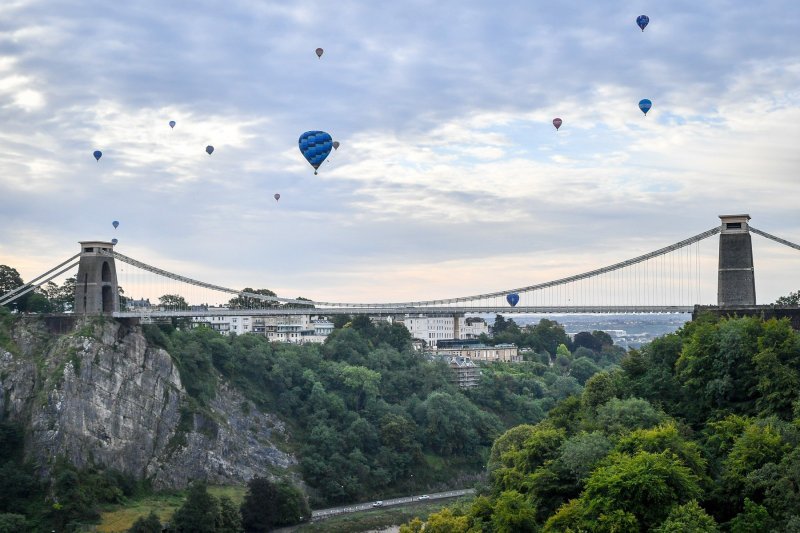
[(297, 329), (227, 324), (432, 329), (465, 373), (476, 351)]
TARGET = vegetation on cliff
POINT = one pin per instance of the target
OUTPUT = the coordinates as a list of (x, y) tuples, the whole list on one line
[(697, 431)]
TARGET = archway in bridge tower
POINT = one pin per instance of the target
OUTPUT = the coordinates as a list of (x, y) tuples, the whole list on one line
[(106, 273), (108, 298)]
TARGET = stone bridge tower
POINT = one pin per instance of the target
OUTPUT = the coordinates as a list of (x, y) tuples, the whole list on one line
[(736, 284), (96, 290)]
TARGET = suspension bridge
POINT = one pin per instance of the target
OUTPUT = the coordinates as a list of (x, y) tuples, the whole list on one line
[(666, 280)]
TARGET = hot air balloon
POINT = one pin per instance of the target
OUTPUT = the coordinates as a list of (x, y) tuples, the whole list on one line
[(512, 299), (645, 105), (277, 196), (557, 123), (315, 147), (115, 224), (171, 123), (97, 154), (114, 241), (319, 52), (209, 149), (642, 21), (335, 145)]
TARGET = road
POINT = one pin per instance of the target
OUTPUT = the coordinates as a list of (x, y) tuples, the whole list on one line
[(322, 514)]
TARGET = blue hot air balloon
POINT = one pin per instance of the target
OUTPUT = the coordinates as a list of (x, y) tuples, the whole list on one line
[(315, 147), (115, 224), (209, 149), (512, 299), (114, 241), (645, 105), (97, 154), (171, 123), (642, 21)]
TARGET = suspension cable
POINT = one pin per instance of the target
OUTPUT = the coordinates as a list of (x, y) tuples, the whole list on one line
[(774, 238)]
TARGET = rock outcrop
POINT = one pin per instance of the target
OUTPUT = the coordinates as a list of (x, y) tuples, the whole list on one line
[(101, 395)]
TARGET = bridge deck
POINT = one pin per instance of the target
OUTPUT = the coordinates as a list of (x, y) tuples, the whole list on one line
[(384, 311)]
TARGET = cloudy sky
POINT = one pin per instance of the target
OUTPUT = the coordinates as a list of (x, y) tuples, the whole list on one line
[(450, 179)]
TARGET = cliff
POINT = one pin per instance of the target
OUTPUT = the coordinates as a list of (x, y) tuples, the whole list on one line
[(101, 395)]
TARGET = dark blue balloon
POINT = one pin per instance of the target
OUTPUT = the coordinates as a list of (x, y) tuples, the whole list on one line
[(114, 241), (642, 21), (97, 154), (209, 149), (512, 299), (115, 224), (315, 147), (645, 105), (171, 123)]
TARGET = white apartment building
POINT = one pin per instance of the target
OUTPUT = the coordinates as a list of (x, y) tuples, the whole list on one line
[(227, 324), (431, 329), (298, 329), (507, 353)]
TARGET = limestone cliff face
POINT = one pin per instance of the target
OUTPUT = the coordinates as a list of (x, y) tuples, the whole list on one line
[(100, 395)]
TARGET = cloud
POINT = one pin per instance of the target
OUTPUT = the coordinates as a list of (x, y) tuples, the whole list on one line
[(450, 178)]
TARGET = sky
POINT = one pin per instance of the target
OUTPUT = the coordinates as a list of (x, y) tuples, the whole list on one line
[(450, 179)]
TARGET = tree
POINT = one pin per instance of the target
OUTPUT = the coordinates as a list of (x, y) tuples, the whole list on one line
[(269, 504), (12, 523), (230, 520), (10, 280), (688, 518), (645, 485), (173, 300), (793, 298), (513, 512), (754, 518), (587, 340), (149, 524), (63, 297), (199, 513), (246, 302), (620, 416)]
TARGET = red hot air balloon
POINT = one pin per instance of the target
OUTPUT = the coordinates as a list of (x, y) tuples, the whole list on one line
[(319, 52), (557, 123)]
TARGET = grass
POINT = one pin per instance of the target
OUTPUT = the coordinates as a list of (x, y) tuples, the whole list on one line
[(121, 518)]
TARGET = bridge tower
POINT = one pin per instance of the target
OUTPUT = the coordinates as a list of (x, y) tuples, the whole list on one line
[(736, 283), (96, 290)]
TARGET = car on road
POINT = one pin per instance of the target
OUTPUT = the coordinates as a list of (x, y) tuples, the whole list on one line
[(378, 503), (423, 497)]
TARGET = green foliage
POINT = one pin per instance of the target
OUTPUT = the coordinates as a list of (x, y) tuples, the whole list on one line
[(620, 416), (664, 438), (149, 524), (580, 454), (230, 520), (12, 523), (268, 505), (512, 513), (793, 298), (646, 485), (708, 415), (754, 518), (688, 518), (200, 512)]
